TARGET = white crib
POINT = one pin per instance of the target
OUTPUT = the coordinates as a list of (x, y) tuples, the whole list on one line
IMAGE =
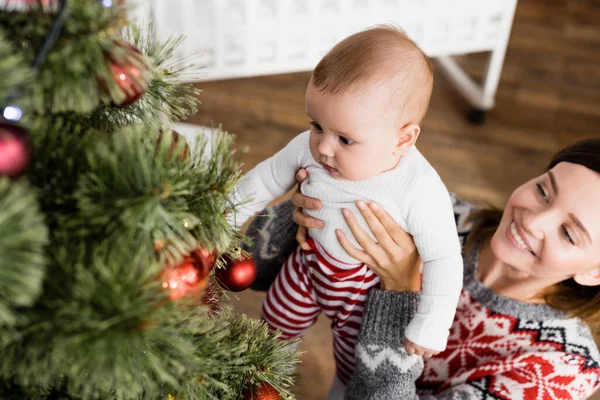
[(241, 38)]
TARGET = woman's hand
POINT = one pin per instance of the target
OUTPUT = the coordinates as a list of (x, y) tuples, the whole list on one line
[(393, 257), (301, 201)]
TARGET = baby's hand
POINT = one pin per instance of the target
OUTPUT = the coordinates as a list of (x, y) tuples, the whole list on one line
[(412, 348)]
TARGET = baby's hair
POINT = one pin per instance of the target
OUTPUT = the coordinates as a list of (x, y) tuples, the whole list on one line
[(383, 54)]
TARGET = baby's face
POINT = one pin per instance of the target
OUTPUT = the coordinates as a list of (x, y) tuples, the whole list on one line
[(354, 135)]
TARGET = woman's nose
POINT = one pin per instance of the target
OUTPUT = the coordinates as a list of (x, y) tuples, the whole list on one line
[(536, 222)]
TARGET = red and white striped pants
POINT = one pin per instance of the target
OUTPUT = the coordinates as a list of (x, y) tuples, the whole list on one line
[(311, 282)]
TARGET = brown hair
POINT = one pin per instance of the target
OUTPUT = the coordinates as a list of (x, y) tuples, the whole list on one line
[(568, 296), (382, 53)]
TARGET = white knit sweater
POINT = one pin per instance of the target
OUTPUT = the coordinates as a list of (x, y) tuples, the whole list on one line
[(412, 193)]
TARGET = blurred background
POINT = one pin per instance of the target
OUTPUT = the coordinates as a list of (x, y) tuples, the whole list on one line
[(515, 82)]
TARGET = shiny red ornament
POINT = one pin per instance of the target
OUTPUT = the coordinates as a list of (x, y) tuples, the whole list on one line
[(190, 274), (14, 150), (264, 391), (238, 275), (127, 76), (204, 261)]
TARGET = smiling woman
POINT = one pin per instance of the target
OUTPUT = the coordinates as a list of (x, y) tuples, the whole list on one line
[(549, 234), (530, 300)]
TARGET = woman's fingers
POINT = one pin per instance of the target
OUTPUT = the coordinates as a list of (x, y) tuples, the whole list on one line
[(299, 199), (359, 233), (301, 236), (395, 232), (304, 220), (377, 228), (352, 251), (392, 238), (301, 175), (361, 236), (303, 201)]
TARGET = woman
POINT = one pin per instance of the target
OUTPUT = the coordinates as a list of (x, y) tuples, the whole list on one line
[(531, 292)]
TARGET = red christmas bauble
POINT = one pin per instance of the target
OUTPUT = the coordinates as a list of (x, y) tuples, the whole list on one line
[(127, 75), (238, 275), (264, 391), (189, 275), (203, 260), (14, 150)]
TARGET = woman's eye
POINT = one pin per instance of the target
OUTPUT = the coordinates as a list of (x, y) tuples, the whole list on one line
[(316, 126), (346, 141), (566, 235), (541, 192)]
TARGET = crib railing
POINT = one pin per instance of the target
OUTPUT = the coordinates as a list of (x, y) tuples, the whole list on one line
[(241, 38)]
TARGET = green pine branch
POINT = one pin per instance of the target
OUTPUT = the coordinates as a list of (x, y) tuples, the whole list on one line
[(137, 191), (266, 359), (14, 71), (23, 236), (168, 97)]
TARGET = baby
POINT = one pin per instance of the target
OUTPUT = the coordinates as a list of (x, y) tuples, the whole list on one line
[(365, 100)]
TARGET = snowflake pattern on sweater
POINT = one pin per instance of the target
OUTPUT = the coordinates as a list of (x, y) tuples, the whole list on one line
[(500, 348)]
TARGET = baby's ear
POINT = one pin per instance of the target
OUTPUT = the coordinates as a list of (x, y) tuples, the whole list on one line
[(588, 278), (407, 137)]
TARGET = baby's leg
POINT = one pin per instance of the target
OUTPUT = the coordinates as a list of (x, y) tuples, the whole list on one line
[(290, 305), (341, 291)]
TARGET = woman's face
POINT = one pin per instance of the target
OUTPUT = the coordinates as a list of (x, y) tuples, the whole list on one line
[(551, 226)]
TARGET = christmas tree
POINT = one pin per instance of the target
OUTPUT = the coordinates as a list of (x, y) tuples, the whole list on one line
[(111, 226)]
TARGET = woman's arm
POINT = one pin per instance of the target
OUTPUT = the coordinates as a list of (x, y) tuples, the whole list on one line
[(384, 370)]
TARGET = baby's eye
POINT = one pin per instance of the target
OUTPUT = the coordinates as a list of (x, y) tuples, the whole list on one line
[(316, 126), (346, 141)]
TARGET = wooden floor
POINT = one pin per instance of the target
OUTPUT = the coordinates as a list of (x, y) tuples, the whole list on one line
[(549, 96)]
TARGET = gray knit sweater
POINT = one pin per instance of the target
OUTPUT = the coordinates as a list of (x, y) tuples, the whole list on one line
[(498, 348)]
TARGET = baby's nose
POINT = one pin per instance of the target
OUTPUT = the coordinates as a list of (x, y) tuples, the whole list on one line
[(325, 149)]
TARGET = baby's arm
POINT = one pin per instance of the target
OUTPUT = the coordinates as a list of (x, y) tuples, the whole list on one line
[(431, 223), (267, 181)]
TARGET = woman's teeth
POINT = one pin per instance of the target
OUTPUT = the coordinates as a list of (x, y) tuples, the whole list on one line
[(518, 238)]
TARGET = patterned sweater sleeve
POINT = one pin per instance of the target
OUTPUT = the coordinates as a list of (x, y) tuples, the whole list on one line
[(383, 368)]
